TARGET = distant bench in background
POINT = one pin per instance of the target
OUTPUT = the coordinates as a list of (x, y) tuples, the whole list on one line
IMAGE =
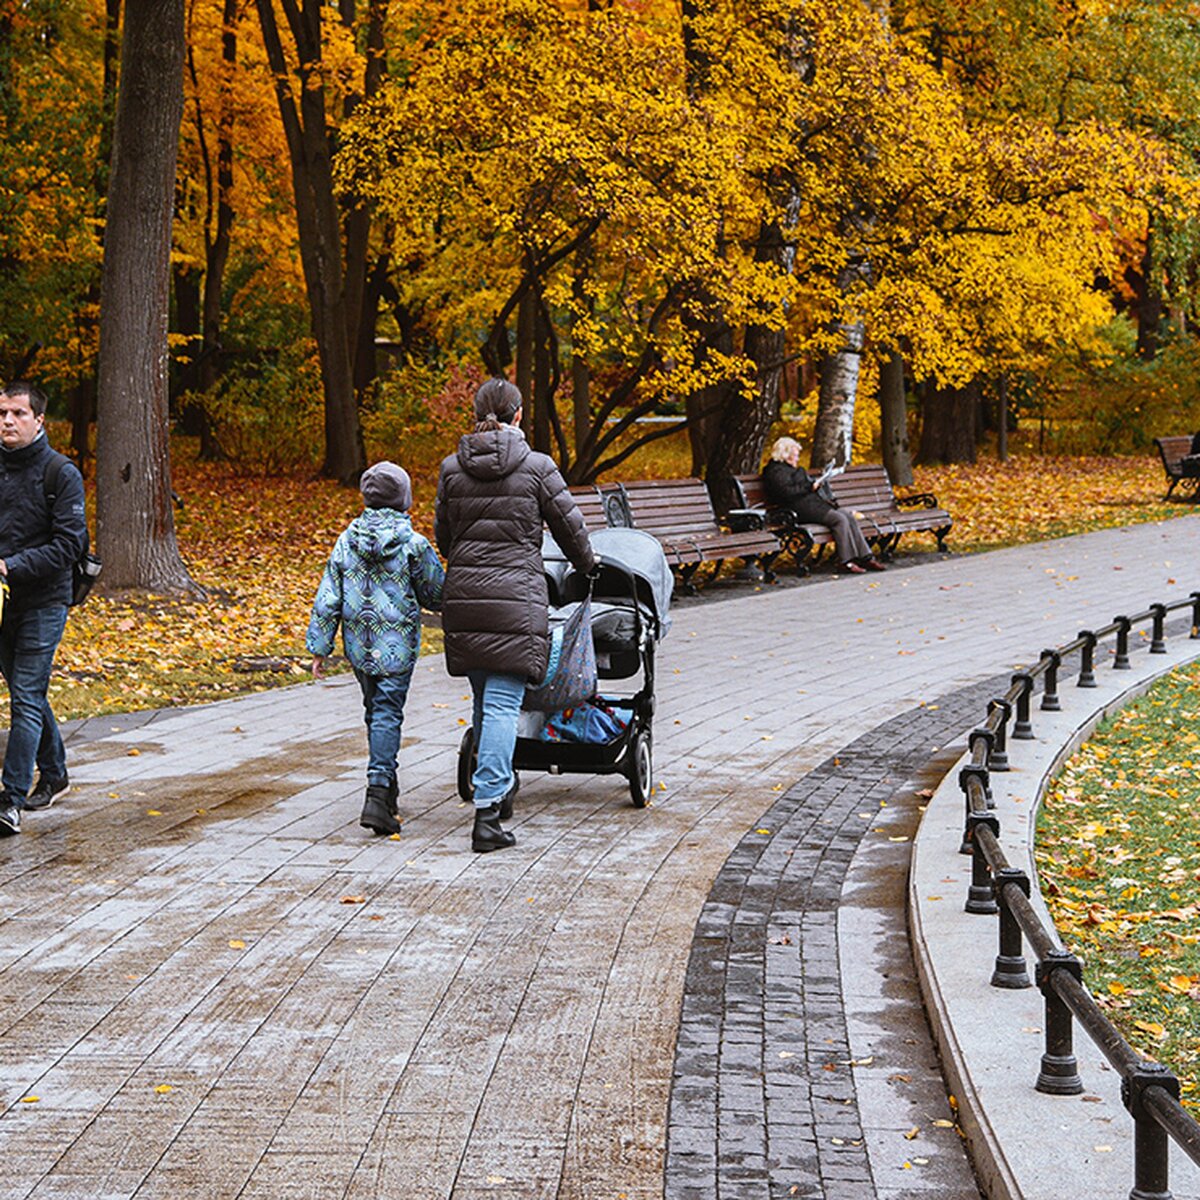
[(1173, 451)]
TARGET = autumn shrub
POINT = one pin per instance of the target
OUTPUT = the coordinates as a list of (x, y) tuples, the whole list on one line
[(417, 412), (270, 417), (1121, 406)]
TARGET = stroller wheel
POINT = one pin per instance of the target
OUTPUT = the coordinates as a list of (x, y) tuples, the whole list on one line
[(466, 764), (641, 772)]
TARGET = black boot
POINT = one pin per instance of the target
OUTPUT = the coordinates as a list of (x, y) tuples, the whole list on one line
[(394, 796), (487, 834), (377, 813), (506, 801)]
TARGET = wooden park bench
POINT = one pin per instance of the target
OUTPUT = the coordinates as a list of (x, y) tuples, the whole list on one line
[(1173, 451), (591, 505), (863, 490), (679, 513)]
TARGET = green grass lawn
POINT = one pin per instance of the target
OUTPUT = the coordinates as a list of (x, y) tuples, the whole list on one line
[(1118, 852)]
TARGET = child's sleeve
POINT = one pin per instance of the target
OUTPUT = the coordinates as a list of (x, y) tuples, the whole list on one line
[(428, 577), (327, 608)]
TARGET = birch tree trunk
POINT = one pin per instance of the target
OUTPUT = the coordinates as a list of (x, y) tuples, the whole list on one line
[(833, 435), (893, 420), (135, 526)]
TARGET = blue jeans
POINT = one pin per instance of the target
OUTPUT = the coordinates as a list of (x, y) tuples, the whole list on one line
[(383, 710), (497, 707), (28, 641)]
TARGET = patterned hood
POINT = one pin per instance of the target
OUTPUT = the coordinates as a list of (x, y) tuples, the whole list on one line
[(380, 534)]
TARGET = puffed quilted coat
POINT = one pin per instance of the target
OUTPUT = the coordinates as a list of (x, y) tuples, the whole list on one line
[(493, 496), (380, 574)]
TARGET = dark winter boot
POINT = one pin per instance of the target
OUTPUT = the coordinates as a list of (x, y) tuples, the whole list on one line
[(377, 813), (394, 796), (506, 801), (487, 834)]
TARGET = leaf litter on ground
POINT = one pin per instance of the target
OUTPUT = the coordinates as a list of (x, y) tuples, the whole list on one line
[(1119, 861)]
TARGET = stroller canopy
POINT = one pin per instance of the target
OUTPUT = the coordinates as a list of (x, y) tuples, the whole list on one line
[(641, 554), (634, 552)]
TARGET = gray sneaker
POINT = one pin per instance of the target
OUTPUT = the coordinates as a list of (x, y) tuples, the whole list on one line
[(10, 819), (46, 791)]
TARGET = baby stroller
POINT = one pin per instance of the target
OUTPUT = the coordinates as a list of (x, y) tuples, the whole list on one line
[(631, 598)]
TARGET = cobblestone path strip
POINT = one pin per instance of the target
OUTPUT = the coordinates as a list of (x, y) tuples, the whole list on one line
[(763, 1098)]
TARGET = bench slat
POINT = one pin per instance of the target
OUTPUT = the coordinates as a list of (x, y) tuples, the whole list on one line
[(680, 514)]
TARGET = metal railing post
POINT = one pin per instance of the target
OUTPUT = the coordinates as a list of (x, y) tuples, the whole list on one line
[(1158, 640), (998, 759), (1087, 660), (1050, 702), (1195, 614), (1151, 1165), (988, 738), (981, 896), (969, 772), (1059, 1074), (1010, 970), (1124, 625), (1022, 729)]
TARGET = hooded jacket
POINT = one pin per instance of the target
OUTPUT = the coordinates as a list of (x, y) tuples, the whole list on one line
[(493, 496), (38, 543), (379, 576)]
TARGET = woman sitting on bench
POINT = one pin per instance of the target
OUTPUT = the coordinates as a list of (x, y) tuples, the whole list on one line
[(788, 485)]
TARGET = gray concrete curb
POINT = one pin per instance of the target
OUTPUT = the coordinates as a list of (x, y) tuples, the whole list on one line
[(1025, 1145)]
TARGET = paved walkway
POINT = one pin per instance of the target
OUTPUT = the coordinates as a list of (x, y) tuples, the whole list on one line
[(216, 984)]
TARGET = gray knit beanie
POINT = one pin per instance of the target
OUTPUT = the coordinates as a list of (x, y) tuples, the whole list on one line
[(499, 398), (386, 485)]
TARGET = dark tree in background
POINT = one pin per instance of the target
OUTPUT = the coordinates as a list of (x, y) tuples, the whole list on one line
[(134, 521)]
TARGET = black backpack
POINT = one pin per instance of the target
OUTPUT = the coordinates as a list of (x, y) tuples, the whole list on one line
[(86, 567)]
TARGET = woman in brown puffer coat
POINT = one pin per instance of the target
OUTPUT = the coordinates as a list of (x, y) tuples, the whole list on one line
[(493, 496)]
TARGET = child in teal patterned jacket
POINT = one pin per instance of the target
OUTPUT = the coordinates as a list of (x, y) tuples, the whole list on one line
[(379, 576)]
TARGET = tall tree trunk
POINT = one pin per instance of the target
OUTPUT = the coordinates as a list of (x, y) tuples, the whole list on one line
[(187, 282), (746, 420), (581, 375), (135, 524), (949, 417), (893, 420), (1149, 300), (220, 236), (83, 394), (526, 332), (704, 407), (319, 225), (1002, 415), (744, 427), (362, 297), (542, 392)]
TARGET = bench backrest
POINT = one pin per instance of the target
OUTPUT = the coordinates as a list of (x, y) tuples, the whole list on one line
[(1173, 449), (591, 506), (864, 488), (670, 507)]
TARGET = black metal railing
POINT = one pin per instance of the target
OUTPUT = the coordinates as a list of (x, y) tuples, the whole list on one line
[(1149, 1090)]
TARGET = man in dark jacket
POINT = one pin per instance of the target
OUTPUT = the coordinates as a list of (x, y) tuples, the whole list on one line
[(493, 496), (41, 536)]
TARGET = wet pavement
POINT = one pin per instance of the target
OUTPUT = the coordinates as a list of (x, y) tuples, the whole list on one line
[(215, 983)]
